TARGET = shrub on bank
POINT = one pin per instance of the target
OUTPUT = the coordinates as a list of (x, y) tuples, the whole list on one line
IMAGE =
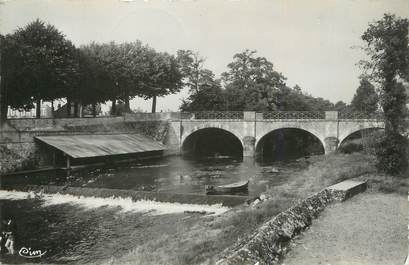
[(351, 147), (392, 154)]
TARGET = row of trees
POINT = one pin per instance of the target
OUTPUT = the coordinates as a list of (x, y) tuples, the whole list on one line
[(252, 83), (39, 63)]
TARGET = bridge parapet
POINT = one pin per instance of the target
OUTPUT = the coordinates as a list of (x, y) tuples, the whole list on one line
[(254, 116), (213, 115), (294, 115), (343, 115), (276, 115)]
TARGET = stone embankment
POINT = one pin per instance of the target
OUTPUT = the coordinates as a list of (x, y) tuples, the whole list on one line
[(270, 242)]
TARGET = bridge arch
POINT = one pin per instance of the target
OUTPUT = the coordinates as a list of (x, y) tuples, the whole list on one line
[(349, 130), (351, 133), (317, 132), (268, 138), (214, 138)]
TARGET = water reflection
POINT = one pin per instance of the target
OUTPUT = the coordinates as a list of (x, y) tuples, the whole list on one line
[(171, 174)]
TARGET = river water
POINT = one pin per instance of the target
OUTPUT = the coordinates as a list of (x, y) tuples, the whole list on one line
[(79, 230)]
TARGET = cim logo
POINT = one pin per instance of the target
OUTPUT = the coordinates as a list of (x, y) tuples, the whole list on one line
[(31, 254)]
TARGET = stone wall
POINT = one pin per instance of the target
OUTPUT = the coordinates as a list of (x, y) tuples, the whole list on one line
[(17, 156), (19, 150), (270, 242)]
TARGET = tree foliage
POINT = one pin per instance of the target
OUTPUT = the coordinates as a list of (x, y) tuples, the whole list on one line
[(365, 99), (163, 77), (252, 83), (38, 63), (388, 51), (96, 84), (205, 92)]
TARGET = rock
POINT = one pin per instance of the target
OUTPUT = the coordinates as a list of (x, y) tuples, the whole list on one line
[(197, 212), (256, 201), (263, 197)]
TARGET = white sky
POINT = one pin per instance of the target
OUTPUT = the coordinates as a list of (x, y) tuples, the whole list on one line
[(308, 41)]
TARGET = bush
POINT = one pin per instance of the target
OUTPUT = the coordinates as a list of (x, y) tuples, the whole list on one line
[(351, 147), (392, 154)]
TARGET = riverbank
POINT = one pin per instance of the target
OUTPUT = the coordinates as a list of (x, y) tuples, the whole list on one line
[(380, 232), (369, 229), (201, 239)]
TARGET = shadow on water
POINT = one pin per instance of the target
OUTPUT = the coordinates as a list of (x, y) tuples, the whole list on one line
[(287, 144)]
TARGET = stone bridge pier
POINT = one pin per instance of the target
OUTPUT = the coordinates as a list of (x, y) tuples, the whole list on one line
[(251, 127)]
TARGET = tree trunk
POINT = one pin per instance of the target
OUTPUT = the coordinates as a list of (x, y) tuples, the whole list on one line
[(127, 106), (68, 107), (52, 109), (153, 104), (113, 107), (80, 110), (75, 109), (94, 110), (38, 108), (3, 102)]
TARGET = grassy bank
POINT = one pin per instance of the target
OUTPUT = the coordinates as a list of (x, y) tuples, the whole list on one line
[(187, 239)]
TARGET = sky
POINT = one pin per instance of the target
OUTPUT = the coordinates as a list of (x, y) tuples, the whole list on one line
[(313, 43)]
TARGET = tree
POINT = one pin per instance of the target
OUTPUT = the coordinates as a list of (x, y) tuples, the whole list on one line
[(3, 105), (388, 51), (254, 80), (192, 68), (95, 82), (38, 63), (113, 58), (365, 99), (205, 92), (163, 77), (209, 96), (137, 71), (341, 106)]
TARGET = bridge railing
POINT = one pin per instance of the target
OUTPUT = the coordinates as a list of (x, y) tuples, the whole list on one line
[(213, 115), (291, 115), (360, 116), (252, 115)]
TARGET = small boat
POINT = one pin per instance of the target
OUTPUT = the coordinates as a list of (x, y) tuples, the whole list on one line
[(236, 187)]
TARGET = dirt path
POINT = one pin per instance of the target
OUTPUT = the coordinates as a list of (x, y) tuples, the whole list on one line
[(369, 229)]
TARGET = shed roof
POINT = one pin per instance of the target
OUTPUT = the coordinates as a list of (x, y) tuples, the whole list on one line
[(91, 145)]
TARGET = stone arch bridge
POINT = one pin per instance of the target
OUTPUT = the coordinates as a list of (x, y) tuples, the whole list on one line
[(330, 127)]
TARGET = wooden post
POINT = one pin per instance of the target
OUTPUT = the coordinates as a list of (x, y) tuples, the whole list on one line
[(54, 160), (68, 162)]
